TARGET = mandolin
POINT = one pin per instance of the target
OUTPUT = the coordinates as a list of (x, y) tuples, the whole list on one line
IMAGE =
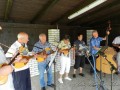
[(65, 51)]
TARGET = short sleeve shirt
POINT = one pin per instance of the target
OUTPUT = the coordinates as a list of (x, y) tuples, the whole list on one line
[(94, 42)]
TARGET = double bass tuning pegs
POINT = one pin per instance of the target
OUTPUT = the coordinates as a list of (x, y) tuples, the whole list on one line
[(109, 26)]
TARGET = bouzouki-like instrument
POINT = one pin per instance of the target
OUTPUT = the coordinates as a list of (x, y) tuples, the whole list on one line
[(65, 51), (41, 57), (104, 65), (24, 55), (3, 79)]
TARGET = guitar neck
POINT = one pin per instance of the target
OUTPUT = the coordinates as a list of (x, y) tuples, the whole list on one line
[(13, 59), (106, 44)]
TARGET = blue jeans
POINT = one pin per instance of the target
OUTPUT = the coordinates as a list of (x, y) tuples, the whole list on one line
[(92, 62), (42, 68)]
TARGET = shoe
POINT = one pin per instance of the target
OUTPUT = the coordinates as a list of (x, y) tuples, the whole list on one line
[(60, 80), (43, 88), (52, 85), (74, 76), (117, 73), (67, 78), (81, 74)]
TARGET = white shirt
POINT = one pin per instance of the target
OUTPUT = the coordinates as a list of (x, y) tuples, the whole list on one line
[(9, 84), (12, 50), (116, 40), (63, 45)]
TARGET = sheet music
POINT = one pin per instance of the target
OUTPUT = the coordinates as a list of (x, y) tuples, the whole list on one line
[(51, 61)]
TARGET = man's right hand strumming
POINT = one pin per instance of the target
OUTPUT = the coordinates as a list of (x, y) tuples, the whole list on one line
[(5, 70)]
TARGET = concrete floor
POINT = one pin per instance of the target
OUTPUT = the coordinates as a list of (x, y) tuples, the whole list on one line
[(80, 83)]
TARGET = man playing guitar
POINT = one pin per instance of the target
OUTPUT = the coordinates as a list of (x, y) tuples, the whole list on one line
[(45, 48), (21, 76), (116, 44)]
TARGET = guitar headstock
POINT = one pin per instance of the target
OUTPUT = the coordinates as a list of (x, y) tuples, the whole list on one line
[(108, 28), (23, 50)]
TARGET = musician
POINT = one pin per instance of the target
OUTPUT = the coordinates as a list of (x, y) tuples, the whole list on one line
[(39, 46), (116, 43), (65, 61), (4, 71), (80, 51), (21, 76), (95, 46)]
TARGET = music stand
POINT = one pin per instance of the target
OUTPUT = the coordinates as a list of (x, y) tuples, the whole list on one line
[(101, 53), (101, 50), (52, 61), (96, 75)]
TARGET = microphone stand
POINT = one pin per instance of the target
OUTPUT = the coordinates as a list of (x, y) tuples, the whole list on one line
[(111, 69), (101, 82), (101, 87), (54, 62), (49, 65)]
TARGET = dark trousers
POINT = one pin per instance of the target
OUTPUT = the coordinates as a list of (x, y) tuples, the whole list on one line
[(79, 62), (21, 80)]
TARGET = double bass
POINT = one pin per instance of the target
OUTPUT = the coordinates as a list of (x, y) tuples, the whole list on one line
[(101, 63)]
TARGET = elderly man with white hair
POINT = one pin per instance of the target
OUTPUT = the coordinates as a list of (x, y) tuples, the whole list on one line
[(21, 76), (40, 46)]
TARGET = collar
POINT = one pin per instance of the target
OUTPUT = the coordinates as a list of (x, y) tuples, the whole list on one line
[(18, 43), (43, 44)]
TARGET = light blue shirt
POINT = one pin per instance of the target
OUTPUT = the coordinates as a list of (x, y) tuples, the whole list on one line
[(95, 42), (38, 47)]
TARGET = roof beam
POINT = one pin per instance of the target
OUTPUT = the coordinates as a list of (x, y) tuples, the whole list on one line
[(45, 8), (78, 7), (103, 12), (8, 8)]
